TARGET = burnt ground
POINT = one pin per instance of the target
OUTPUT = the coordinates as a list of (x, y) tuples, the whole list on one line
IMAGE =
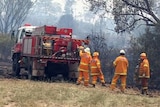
[(6, 70)]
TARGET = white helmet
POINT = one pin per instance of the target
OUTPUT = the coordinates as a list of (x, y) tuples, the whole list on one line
[(122, 51), (87, 50)]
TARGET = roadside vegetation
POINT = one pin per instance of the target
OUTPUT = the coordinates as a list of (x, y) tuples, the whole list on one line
[(6, 44), (25, 93)]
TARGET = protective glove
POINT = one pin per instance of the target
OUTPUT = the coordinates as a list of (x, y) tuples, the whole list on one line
[(143, 75)]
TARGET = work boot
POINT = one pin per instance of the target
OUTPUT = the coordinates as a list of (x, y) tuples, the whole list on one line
[(146, 92), (78, 83), (93, 85), (122, 91), (142, 92), (103, 84)]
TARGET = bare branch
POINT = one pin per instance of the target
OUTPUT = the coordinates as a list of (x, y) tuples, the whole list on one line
[(128, 12), (135, 6), (13, 13), (131, 25)]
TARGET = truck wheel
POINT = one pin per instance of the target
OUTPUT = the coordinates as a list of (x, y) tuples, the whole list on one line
[(65, 72), (16, 65), (30, 64), (29, 72)]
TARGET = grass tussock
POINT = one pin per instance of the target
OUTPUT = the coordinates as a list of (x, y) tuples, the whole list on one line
[(25, 93)]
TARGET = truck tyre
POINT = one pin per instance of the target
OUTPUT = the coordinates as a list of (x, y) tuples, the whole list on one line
[(56, 70), (65, 72), (16, 65), (30, 65)]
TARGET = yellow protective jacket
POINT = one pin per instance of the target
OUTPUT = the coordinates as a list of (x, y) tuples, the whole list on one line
[(47, 45), (121, 64), (144, 69), (85, 61), (95, 66)]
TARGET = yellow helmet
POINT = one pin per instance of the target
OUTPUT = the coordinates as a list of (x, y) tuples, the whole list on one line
[(143, 54), (81, 47), (95, 54)]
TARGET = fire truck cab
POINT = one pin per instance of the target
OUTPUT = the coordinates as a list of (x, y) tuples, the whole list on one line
[(23, 31), (46, 51)]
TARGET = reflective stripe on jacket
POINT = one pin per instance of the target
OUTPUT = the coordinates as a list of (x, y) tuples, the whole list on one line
[(121, 65)]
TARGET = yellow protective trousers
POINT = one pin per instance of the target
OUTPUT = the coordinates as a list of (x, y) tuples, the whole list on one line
[(83, 75), (144, 83), (123, 81), (95, 77)]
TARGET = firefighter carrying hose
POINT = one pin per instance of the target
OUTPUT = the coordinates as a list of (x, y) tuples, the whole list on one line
[(96, 71), (121, 65), (84, 66), (144, 73)]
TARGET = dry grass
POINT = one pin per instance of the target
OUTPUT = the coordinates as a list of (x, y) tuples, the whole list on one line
[(25, 93)]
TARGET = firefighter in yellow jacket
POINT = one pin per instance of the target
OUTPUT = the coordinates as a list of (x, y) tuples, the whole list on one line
[(144, 73), (47, 46), (96, 71), (84, 66), (121, 64)]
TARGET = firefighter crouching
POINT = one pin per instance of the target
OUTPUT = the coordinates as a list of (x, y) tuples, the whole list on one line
[(121, 65), (96, 71), (84, 66), (144, 73)]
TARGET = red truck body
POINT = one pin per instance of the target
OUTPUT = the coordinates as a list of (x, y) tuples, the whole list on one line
[(63, 58)]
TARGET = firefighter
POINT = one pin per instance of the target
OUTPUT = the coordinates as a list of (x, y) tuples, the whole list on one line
[(47, 46), (144, 73), (121, 65), (96, 71), (84, 66)]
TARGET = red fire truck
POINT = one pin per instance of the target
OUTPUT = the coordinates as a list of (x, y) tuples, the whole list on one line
[(46, 51)]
